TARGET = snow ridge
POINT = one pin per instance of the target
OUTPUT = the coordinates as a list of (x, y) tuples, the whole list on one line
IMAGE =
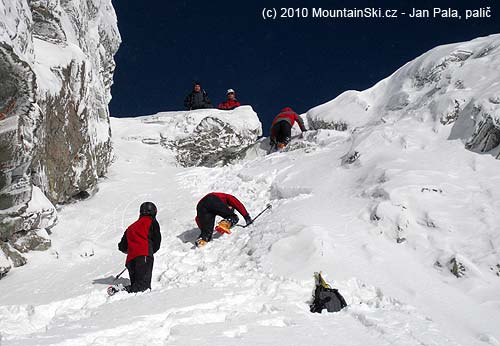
[(455, 84)]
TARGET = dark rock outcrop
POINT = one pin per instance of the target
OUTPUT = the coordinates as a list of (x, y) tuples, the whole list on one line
[(213, 142)]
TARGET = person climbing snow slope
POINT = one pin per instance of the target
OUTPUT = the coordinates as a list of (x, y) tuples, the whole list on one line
[(221, 204), (281, 129)]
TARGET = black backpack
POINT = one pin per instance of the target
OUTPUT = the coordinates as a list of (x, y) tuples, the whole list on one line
[(326, 297)]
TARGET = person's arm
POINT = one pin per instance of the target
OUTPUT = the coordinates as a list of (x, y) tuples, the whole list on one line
[(187, 102), (123, 244), (236, 204), (222, 106), (301, 123), (206, 100), (155, 235)]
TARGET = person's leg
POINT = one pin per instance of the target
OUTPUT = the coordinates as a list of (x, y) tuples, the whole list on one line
[(131, 273), (272, 139), (205, 220), (220, 208), (288, 132), (284, 132), (143, 274), (149, 272)]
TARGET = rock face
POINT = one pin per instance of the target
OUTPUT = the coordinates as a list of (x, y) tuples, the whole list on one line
[(212, 142), (204, 137), (56, 67), (455, 85)]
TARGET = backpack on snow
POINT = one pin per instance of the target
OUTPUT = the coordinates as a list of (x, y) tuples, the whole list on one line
[(326, 297)]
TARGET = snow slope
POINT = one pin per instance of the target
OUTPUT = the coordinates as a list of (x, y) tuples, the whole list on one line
[(386, 227), (252, 288)]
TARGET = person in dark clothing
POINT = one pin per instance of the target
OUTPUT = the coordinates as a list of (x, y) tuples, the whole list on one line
[(221, 204), (197, 99), (140, 241), (281, 129)]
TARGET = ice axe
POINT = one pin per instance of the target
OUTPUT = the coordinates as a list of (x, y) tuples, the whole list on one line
[(268, 207), (117, 276)]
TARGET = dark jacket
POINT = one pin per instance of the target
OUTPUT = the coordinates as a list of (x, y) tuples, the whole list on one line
[(197, 100), (142, 238)]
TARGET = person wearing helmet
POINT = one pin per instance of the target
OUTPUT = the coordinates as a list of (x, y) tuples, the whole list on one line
[(281, 129), (221, 204), (140, 241), (197, 99), (231, 102)]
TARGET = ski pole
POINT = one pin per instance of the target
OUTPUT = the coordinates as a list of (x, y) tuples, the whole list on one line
[(268, 206), (117, 276)]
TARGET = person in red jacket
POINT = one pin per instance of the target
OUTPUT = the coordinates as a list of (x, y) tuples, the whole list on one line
[(281, 129), (140, 241), (231, 102), (221, 204)]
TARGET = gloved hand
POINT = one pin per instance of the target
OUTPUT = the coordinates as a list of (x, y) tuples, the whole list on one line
[(233, 219), (248, 220)]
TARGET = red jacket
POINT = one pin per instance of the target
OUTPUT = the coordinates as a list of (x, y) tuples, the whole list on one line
[(142, 238), (229, 104), (231, 201), (287, 114)]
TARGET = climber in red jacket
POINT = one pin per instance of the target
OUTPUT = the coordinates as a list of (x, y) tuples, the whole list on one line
[(140, 241), (231, 102), (281, 129), (221, 204)]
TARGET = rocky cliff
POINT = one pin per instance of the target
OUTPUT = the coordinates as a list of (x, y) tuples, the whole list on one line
[(56, 68)]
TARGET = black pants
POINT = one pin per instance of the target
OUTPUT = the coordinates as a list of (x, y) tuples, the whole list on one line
[(140, 271), (281, 132), (206, 211)]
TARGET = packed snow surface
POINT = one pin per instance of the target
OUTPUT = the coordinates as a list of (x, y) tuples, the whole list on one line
[(253, 287)]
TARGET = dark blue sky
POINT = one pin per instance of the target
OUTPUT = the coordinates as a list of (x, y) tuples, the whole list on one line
[(270, 63)]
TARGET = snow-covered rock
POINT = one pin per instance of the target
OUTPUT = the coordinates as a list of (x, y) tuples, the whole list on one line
[(56, 67), (204, 137), (455, 85)]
